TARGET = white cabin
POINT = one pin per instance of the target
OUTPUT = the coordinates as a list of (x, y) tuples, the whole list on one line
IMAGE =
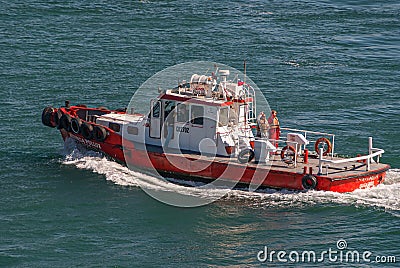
[(205, 115)]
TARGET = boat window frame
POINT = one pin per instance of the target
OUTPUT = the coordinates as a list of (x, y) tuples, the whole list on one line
[(156, 108), (226, 122), (198, 121), (130, 131), (186, 114), (114, 126)]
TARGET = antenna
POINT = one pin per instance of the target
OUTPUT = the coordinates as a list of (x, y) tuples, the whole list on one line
[(207, 71), (244, 66)]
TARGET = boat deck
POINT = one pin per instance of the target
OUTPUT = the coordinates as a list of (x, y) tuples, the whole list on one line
[(275, 163)]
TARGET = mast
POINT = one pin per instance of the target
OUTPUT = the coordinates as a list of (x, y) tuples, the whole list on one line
[(244, 66)]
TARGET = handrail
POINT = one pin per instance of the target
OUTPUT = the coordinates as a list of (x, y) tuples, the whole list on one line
[(308, 131), (358, 158), (372, 152), (314, 132)]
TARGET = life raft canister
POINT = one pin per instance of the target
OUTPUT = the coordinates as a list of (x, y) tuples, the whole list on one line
[(99, 133), (87, 130), (324, 142), (309, 182), (246, 155)]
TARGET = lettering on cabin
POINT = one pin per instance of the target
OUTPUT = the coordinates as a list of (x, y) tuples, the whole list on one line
[(182, 129)]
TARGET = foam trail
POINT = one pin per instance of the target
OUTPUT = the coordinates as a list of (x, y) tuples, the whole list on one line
[(384, 196)]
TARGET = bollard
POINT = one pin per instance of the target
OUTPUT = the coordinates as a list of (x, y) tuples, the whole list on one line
[(306, 156), (305, 170)]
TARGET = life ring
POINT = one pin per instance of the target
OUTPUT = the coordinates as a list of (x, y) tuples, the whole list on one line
[(47, 116), (99, 133), (87, 130), (309, 182), (288, 153), (65, 122), (76, 125), (246, 156), (324, 142)]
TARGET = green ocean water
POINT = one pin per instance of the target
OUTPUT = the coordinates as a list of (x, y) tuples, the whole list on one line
[(324, 65)]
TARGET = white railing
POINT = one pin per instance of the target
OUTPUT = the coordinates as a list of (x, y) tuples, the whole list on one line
[(372, 152), (305, 132), (252, 95)]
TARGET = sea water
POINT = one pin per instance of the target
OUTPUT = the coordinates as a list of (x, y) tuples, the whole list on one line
[(324, 65)]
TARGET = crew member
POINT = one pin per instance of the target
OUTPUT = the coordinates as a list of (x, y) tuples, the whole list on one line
[(263, 126), (274, 129), (258, 124)]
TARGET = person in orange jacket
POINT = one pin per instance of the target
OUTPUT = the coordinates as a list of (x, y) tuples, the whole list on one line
[(274, 129)]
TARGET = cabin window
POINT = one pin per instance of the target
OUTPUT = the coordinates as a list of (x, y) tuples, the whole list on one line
[(132, 130), (197, 115), (183, 113), (223, 117), (156, 110), (114, 126), (169, 106)]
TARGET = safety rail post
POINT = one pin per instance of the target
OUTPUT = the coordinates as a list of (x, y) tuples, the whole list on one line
[(321, 152), (369, 153)]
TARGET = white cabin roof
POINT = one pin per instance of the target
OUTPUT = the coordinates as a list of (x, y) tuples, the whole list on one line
[(121, 118)]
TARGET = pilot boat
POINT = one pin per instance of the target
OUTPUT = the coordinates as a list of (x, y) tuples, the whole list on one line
[(206, 129)]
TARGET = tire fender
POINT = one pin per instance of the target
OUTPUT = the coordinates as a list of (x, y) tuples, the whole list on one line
[(65, 122), (99, 133), (245, 159), (87, 130), (309, 182), (47, 116)]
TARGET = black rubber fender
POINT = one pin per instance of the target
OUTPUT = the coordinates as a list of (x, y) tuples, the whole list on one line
[(46, 116), (65, 122), (56, 118), (87, 130), (246, 155), (99, 133), (309, 182)]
